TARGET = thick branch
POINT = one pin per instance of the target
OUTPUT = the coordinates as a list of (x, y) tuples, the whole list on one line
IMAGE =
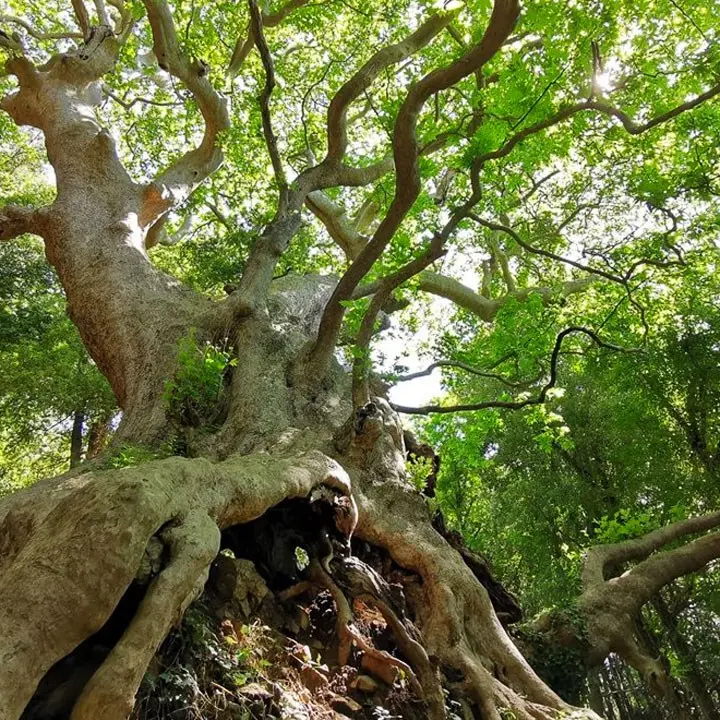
[(649, 576), (81, 15), (366, 75), (599, 557), (15, 220), (178, 181), (336, 222), (406, 153), (485, 308)]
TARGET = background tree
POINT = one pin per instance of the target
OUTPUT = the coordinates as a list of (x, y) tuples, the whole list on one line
[(623, 448)]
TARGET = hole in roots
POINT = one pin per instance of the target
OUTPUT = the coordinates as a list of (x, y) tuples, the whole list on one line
[(282, 542)]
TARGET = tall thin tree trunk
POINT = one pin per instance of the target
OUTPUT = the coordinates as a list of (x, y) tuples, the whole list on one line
[(76, 438), (97, 436)]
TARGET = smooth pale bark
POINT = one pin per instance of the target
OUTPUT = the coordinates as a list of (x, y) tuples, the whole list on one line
[(611, 605)]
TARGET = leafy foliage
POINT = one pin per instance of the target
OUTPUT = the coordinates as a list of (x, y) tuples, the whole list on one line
[(193, 394)]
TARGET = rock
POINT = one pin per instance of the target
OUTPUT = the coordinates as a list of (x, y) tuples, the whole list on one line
[(223, 574), (345, 705), (292, 707), (381, 670), (250, 589), (312, 679), (302, 653), (255, 692), (364, 684)]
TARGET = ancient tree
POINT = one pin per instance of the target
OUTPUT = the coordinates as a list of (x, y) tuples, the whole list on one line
[(290, 421)]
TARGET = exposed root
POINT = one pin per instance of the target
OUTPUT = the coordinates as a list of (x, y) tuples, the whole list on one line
[(74, 545), (453, 610), (417, 656), (348, 634), (193, 545)]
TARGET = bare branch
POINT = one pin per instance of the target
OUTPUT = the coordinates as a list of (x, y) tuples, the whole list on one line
[(517, 405), (243, 46), (178, 181), (467, 368), (34, 32), (264, 99), (361, 364)]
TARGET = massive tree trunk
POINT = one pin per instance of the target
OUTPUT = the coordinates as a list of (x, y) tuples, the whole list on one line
[(73, 545)]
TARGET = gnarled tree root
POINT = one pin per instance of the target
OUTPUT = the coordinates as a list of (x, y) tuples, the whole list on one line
[(453, 610), (71, 547), (193, 544), (348, 634)]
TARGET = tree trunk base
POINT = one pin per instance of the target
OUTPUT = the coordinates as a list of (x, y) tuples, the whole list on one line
[(73, 546)]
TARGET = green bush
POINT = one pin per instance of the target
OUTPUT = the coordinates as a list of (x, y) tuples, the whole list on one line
[(193, 395)]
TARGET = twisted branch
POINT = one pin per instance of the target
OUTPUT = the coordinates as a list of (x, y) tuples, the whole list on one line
[(511, 404), (180, 179), (406, 153)]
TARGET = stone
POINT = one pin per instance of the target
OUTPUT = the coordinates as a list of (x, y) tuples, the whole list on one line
[(364, 684)]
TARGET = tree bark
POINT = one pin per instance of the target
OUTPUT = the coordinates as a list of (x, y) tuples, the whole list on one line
[(76, 439), (611, 605), (70, 547)]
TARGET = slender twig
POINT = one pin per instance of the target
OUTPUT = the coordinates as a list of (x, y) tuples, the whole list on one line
[(34, 32), (517, 405), (465, 367)]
